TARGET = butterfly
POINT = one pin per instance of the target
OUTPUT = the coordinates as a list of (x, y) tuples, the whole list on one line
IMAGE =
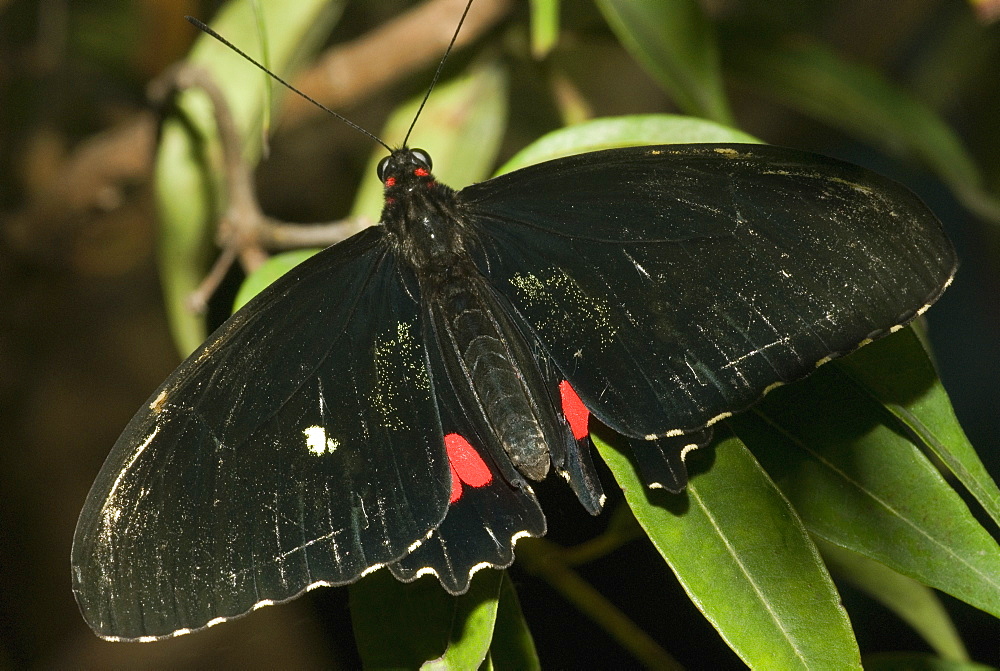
[(389, 401)]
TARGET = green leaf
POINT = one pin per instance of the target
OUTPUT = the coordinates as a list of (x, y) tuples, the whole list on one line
[(915, 604), (268, 272), (544, 26), (811, 78), (462, 124), (623, 131), (265, 53), (513, 646), (472, 626), (415, 625), (189, 192), (675, 43), (745, 560), (858, 481), (927, 413)]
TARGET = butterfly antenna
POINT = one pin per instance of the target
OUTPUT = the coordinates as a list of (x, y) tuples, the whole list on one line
[(205, 29), (437, 73)]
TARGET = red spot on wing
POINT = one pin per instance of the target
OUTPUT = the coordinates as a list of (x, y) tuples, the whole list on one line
[(421, 172), (574, 410), (390, 181), (467, 466)]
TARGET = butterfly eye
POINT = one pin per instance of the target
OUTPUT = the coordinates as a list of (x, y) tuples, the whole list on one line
[(422, 156), (381, 168)]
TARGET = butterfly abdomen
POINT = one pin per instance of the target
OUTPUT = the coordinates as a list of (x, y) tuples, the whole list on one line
[(483, 355)]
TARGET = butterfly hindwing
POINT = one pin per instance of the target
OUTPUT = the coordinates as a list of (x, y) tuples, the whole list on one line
[(270, 461), (661, 460), (674, 284), (486, 515)]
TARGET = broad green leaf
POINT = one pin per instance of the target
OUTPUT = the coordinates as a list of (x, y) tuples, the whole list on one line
[(512, 647), (915, 604), (927, 413), (461, 126), (544, 26), (813, 79), (675, 42), (473, 625), (415, 625), (268, 272), (746, 561), (623, 131), (189, 192), (858, 481)]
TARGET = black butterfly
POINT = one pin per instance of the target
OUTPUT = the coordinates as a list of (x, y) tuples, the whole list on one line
[(387, 402)]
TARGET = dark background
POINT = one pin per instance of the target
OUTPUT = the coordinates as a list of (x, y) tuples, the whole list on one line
[(83, 336)]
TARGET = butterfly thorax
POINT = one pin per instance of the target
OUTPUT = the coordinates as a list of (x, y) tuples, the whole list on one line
[(420, 215)]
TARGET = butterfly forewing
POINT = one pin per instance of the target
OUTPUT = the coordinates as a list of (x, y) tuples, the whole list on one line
[(675, 284), (270, 461)]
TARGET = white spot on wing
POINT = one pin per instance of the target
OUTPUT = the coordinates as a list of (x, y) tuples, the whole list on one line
[(318, 443)]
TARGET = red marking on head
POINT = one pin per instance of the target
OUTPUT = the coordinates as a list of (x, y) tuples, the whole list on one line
[(574, 410), (467, 466), (421, 172), (390, 181)]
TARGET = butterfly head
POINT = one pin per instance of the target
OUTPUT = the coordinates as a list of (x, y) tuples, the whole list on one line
[(404, 170)]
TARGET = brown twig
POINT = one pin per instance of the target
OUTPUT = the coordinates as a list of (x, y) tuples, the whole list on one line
[(244, 231), (238, 230), (122, 156), (390, 52)]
